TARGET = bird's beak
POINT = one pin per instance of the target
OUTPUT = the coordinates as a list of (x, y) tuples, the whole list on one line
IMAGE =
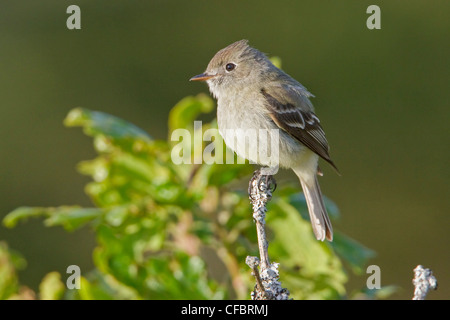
[(202, 77)]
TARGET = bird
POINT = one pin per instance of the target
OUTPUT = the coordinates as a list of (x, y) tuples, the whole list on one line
[(253, 94)]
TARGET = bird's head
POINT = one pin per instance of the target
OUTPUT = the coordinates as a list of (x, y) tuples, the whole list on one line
[(235, 67)]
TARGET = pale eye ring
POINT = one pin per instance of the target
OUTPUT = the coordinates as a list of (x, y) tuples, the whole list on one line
[(230, 66)]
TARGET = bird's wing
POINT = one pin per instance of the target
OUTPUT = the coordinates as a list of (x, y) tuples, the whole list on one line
[(290, 108)]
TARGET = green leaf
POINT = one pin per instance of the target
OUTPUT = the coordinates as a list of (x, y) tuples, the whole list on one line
[(314, 271), (276, 61), (383, 293), (91, 291), (352, 251), (51, 287), (184, 113), (9, 282), (96, 122), (181, 277), (22, 213), (71, 218), (116, 216)]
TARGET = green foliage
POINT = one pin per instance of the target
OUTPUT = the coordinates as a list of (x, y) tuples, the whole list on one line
[(51, 287), (9, 262), (168, 231)]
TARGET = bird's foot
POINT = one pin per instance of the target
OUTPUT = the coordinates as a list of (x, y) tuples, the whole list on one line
[(263, 181)]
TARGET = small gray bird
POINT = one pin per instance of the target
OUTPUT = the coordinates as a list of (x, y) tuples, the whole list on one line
[(253, 94)]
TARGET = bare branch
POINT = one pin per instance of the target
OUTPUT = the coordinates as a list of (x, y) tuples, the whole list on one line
[(423, 281), (268, 286)]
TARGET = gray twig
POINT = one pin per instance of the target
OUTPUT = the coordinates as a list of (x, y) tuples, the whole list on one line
[(423, 281), (268, 286)]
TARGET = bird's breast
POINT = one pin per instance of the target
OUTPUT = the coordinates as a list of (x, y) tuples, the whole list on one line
[(248, 130)]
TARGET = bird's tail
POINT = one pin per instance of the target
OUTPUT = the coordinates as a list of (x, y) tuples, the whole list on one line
[(320, 221)]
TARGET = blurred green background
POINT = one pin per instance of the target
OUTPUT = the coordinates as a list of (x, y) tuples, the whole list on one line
[(382, 97)]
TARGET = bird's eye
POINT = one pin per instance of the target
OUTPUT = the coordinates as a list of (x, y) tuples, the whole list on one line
[(230, 67)]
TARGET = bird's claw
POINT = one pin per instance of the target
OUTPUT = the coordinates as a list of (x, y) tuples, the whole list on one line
[(269, 182)]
